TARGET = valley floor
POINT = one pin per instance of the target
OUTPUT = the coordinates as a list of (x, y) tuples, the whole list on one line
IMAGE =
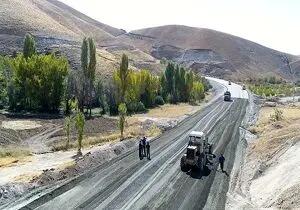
[(37, 138)]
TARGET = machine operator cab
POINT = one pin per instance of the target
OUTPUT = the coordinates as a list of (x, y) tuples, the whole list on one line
[(197, 139), (197, 144)]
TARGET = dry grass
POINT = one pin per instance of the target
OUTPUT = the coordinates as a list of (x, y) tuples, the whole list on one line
[(273, 136), (131, 131), (20, 124), (13, 151), (28, 177), (171, 111), (11, 155), (289, 113), (133, 127)]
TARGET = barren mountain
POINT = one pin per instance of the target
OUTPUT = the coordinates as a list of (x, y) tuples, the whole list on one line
[(58, 27), (212, 52)]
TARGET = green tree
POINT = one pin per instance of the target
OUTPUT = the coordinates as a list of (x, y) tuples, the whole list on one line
[(92, 60), (80, 122), (29, 48), (177, 81), (189, 84), (182, 85), (86, 78), (85, 56), (38, 82), (100, 96), (5, 76), (197, 92), (170, 82), (122, 115), (68, 124), (91, 72), (123, 75), (81, 77)]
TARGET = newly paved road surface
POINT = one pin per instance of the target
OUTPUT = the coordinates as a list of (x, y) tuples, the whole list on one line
[(130, 183)]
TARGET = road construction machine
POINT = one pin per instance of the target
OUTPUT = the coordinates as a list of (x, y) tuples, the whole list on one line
[(227, 96), (198, 153)]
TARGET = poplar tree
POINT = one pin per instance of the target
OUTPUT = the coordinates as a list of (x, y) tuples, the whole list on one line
[(123, 74), (29, 48)]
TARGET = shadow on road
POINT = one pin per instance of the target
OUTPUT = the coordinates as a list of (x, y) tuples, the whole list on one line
[(198, 174)]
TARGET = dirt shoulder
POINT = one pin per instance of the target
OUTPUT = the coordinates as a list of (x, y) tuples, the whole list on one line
[(270, 173)]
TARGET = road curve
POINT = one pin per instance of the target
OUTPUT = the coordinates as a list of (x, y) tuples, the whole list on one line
[(130, 183)]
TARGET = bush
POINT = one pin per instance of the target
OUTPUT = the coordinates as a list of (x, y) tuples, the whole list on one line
[(140, 107), (136, 107), (159, 100), (277, 116)]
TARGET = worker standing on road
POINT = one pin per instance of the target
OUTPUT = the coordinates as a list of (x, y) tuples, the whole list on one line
[(141, 155), (144, 146), (148, 149), (221, 161)]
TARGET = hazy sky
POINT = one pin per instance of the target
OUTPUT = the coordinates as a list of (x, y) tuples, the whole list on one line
[(273, 23)]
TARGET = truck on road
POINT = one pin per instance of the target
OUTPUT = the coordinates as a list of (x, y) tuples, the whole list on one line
[(227, 96), (198, 153)]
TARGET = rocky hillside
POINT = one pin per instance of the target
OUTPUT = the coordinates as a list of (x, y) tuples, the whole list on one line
[(212, 52), (58, 27)]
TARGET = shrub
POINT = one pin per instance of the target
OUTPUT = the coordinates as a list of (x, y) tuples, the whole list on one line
[(136, 107), (277, 116), (140, 107), (159, 100)]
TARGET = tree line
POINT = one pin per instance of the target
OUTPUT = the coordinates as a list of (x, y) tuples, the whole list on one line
[(30, 81), (37, 82)]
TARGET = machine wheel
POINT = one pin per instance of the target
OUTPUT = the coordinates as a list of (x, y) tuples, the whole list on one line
[(184, 167)]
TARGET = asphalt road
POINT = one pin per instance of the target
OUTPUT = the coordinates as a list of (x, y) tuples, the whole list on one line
[(130, 183)]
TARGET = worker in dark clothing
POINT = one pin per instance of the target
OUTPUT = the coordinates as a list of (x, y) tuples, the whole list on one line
[(141, 155), (221, 161), (210, 149), (144, 145), (148, 149)]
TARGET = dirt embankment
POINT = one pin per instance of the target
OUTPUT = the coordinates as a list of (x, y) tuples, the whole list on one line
[(269, 174)]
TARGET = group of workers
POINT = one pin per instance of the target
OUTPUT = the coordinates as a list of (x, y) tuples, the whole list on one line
[(144, 148)]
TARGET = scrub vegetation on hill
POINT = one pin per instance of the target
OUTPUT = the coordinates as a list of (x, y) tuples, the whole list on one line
[(272, 86)]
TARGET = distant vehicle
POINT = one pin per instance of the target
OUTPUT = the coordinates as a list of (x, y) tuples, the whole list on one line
[(244, 87), (227, 96), (198, 153), (229, 83)]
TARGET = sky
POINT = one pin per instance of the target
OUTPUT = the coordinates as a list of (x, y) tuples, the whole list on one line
[(273, 23)]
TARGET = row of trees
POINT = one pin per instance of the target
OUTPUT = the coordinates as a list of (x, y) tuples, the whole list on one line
[(32, 82), (180, 85), (37, 82)]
